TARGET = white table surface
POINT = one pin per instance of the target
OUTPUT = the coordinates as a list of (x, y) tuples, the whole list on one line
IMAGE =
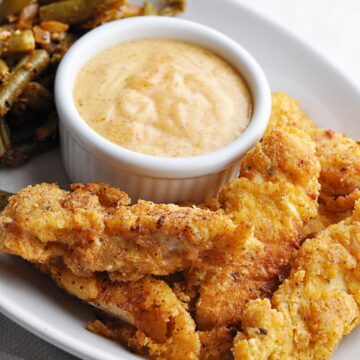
[(332, 26)]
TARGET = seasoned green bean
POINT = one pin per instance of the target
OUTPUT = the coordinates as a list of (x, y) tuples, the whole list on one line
[(70, 11), (31, 66), (4, 70), (18, 154), (48, 129), (4, 199), (27, 16), (25, 132), (47, 2), (48, 81), (4, 137), (37, 97), (11, 7), (19, 41), (2, 148), (19, 111)]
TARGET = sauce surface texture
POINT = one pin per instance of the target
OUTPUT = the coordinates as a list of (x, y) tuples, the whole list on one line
[(163, 97)]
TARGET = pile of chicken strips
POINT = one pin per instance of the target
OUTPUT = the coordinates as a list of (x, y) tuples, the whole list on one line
[(270, 269)]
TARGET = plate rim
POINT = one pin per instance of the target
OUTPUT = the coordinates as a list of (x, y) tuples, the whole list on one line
[(300, 40)]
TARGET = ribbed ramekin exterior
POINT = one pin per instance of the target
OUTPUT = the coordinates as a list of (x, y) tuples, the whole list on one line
[(82, 166)]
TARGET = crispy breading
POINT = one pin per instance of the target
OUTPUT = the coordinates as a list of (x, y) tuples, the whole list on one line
[(163, 326), (122, 333), (286, 111), (275, 194), (315, 308), (216, 344), (322, 220), (340, 166), (92, 231), (339, 155)]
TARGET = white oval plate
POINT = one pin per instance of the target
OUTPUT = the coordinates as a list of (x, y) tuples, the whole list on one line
[(326, 94)]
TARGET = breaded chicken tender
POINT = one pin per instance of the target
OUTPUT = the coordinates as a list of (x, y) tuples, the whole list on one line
[(315, 307), (274, 196), (339, 156), (340, 169), (164, 328), (286, 112), (94, 229)]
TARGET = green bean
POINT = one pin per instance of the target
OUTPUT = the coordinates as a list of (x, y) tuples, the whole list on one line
[(18, 154), (48, 81), (47, 2), (37, 97), (19, 111), (149, 9), (9, 27), (12, 7), (70, 11), (4, 70), (4, 199), (4, 137), (25, 132), (34, 128), (48, 129), (21, 62), (19, 41), (2, 148), (5, 133), (31, 65), (27, 16), (59, 47)]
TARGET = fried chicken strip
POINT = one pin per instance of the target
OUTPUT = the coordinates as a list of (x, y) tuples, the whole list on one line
[(275, 195), (340, 169), (339, 157), (94, 229), (163, 326), (315, 308)]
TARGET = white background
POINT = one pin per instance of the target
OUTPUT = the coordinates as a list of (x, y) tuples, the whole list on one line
[(333, 26)]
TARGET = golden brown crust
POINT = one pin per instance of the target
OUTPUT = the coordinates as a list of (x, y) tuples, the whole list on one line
[(121, 333), (109, 197), (314, 308), (216, 344), (340, 163), (286, 111), (339, 155), (93, 229), (164, 328), (276, 193)]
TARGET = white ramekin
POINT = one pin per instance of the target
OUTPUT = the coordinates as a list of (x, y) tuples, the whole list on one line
[(88, 156)]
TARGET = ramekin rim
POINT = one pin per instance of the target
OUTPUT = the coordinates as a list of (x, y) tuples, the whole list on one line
[(156, 166)]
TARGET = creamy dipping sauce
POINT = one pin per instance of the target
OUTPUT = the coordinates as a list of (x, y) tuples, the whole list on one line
[(163, 97)]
